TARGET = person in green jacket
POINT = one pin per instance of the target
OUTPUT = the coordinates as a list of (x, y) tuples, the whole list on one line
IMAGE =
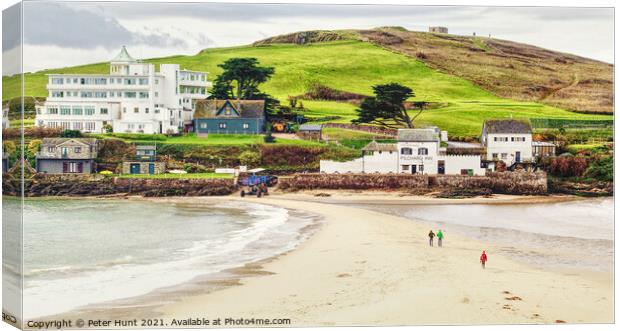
[(439, 237)]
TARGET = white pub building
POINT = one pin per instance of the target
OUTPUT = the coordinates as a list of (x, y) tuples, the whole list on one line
[(417, 151), (133, 98)]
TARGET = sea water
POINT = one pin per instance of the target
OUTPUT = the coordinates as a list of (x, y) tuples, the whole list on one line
[(569, 235), (87, 251)]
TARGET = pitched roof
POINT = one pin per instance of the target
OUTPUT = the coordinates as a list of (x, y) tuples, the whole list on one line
[(123, 56), (245, 108), (507, 126), (310, 127), (417, 135), (543, 144), (58, 141), (374, 146)]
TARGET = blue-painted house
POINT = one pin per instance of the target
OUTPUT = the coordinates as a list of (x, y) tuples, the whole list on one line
[(229, 116)]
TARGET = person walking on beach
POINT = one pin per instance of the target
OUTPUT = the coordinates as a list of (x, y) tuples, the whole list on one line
[(431, 235), (483, 259), (439, 237)]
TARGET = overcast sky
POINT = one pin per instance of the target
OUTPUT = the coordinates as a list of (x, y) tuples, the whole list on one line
[(65, 34)]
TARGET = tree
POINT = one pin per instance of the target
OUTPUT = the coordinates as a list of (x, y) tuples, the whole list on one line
[(240, 79), (387, 107)]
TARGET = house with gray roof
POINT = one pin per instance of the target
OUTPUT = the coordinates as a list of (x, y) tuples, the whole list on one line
[(508, 141), (67, 156), (310, 131), (229, 116)]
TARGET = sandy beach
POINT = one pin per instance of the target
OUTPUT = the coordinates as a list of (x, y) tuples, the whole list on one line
[(368, 268)]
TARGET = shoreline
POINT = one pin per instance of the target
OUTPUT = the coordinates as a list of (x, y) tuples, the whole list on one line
[(337, 277), (237, 292)]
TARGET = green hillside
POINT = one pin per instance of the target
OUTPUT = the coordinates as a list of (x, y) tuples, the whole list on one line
[(347, 65)]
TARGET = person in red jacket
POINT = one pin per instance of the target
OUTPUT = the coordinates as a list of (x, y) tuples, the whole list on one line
[(483, 259)]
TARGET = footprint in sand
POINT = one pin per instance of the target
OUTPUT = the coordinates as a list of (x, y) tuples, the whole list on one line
[(465, 300), (514, 298), (560, 321), (343, 275)]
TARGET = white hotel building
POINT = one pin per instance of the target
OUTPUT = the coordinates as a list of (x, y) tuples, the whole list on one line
[(133, 98)]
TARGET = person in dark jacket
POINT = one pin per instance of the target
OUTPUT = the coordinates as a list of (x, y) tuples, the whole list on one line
[(431, 235)]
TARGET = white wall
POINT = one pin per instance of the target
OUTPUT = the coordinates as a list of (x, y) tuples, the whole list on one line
[(428, 161), (331, 167), (455, 163), (509, 147)]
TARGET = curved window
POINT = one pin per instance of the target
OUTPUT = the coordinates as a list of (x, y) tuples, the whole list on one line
[(406, 151), (422, 151)]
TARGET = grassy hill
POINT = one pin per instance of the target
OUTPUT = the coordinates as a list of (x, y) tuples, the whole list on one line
[(342, 61)]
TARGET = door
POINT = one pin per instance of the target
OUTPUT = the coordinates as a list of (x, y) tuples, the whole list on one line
[(151, 168), (441, 167), (414, 168), (517, 156), (134, 168)]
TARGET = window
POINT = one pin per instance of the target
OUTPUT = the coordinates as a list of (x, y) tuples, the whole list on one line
[(504, 156), (65, 111), (77, 110), (65, 125), (130, 81), (156, 111), (422, 151), (130, 126), (136, 110), (203, 125), (156, 94), (103, 111), (89, 110), (86, 94), (246, 125), (72, 167), (57, 94), (130, 94), (222, 125), (494, 156), (124, 109), (75, 80), (101, 81), (101, 94), (52, 111), (51, 149), (144, 95), (143, 81), (77, 126), (156, 81), (57, 81), (517, 139), (77, 150), (406, 151), (146, 110), (405, 167), (89, 126), (421, 168)]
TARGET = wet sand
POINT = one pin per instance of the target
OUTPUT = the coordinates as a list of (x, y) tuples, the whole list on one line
[(367, 268)]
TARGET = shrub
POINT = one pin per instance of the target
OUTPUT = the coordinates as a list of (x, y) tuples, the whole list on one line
[(71, 134), (34, 146), (106, 172), (193, 168), (269, 138), (250, 158), (602, 169), (31, 132), (568, 166)]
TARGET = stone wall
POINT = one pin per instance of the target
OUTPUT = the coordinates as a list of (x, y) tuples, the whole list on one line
[(95, 185), (354, 182), (499, 182)]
